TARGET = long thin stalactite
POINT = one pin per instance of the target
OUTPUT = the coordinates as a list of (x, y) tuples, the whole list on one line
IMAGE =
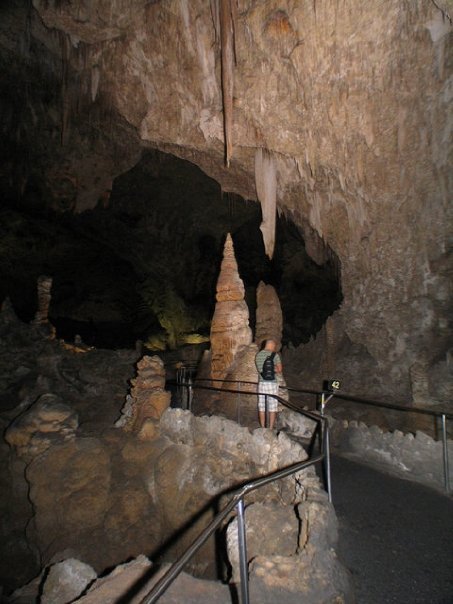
[(225, 17)]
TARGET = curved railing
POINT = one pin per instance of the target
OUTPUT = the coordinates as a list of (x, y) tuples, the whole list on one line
[(237, 501)]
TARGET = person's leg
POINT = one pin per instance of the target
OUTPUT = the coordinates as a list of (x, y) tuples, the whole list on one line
[(261, 406), (273, 405), (272, 416)]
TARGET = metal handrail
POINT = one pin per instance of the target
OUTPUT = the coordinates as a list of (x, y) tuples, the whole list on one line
[(237, 501), (443, 415), (347, 397)]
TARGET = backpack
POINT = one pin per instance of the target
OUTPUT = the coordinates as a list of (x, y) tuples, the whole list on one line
[(268, 371)]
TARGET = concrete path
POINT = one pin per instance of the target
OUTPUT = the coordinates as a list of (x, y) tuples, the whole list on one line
[(396, 537)]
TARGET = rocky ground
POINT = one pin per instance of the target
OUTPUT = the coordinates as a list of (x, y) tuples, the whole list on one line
[(75, 487)]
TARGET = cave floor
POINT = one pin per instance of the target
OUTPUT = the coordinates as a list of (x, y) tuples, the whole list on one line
[(396, 536)]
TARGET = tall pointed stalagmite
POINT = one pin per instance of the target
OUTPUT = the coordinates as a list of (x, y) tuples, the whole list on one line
[(230, 329)]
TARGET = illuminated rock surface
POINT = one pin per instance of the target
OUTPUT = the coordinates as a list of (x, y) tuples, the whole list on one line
[(230, 329)]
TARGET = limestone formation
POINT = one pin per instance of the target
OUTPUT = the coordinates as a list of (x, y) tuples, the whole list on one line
[(241, 407), (266, 190), (41, 319), (230, 329), (241, 369), (352, 185), (416, 457), (148, 399), (269, 318), (48, 421), (288, 548)]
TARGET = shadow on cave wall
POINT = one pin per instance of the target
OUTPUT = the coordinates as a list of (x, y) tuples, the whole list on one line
[(143, 264)]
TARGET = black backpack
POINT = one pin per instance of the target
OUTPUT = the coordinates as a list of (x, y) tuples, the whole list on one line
[(268, 372)]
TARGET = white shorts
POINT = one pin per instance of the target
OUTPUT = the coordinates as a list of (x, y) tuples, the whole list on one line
[(267, 387)]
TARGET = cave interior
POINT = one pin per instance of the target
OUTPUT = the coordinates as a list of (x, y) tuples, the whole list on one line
[(135, 136)]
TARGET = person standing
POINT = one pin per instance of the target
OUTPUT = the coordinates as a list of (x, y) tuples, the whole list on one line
[(268, 364)]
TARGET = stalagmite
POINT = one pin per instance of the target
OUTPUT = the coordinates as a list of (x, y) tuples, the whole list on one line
[(269, 318), (230, 329), (266, 189), (147, 401), (65, 46), (418, 373), (44, 297), (7, 313)]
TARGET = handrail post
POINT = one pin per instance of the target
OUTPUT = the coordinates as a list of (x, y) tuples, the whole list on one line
[(242, 544), (189, 394), (327, 459), (445, 449), (326, 445)]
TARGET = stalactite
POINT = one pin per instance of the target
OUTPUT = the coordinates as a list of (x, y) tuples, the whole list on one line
[(224, 14), (95, 78), (266, 189), (65, 46)]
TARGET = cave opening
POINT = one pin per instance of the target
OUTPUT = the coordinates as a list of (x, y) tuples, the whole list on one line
[(143, 264)]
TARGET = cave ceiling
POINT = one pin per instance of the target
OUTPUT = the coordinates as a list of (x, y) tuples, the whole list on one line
[(352, 100)]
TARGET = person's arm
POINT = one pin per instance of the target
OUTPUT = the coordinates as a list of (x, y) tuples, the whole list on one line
[(278, 365)]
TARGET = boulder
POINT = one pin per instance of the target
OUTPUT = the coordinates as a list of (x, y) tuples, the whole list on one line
[(134, 580), (65, 581)]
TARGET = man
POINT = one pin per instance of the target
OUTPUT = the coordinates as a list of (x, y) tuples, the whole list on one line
[(265, 384)]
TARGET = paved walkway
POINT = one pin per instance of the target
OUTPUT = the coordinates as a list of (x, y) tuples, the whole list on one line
[(396, 537)]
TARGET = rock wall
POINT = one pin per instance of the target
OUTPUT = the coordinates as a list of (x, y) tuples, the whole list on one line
[(353, 100), (416, 456)]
